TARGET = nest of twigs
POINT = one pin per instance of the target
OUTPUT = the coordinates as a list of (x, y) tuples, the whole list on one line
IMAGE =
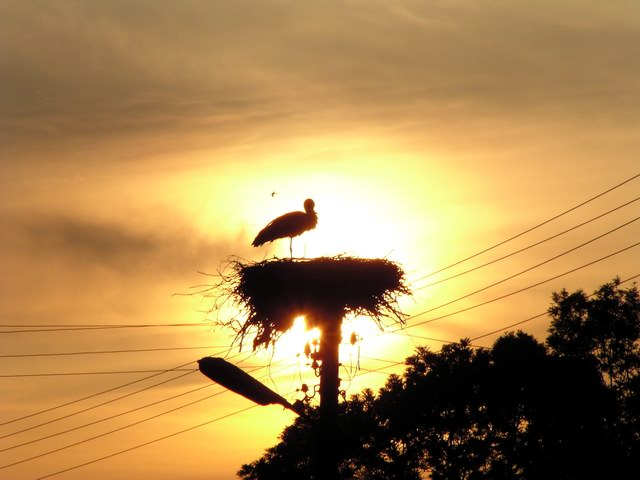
[(276, 291)]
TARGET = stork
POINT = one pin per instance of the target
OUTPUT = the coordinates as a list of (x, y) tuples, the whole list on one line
[(289, 225)]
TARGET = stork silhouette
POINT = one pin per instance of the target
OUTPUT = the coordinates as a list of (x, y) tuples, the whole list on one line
[(289, 225)]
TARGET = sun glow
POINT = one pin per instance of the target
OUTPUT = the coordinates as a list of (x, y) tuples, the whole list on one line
[(293, 342), (356, 331), (349, 222)]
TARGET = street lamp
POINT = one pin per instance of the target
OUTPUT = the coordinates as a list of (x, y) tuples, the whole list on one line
[(240, 382)]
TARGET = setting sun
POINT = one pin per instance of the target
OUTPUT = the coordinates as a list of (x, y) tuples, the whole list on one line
[(292, 343)]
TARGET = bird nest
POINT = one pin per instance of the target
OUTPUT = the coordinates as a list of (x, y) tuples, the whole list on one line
[(274, 292)]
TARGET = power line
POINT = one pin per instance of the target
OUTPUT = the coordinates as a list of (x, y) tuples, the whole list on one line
[(413, 336), (97, 406), (421, 337), (525, 248), (103, 403), (253, 406), (113, 372), (123, 413), (502, 329), (533, 267), (517, 291), (529, 229), (34, 328), (105, 419), (171, 435), (107, 391), (89, 396), (101, 325), (392, 362), (509, 326), (98, 352), (132, 326), (75, 328), (378, 370), (149, 442), (104, 434), (24, 460), (402, 329)]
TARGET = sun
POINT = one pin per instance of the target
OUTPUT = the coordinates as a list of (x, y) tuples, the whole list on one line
[(356, 330), (292, 343)]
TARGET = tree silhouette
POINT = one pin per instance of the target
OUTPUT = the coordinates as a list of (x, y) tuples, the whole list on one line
[(604, 329), (519, 410)]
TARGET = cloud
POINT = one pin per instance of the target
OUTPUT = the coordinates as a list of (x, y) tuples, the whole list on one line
[(86, 243), (63, 268), (77, 244), (204, 73)]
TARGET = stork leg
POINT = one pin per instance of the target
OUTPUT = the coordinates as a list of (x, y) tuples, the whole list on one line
[(291, 246)]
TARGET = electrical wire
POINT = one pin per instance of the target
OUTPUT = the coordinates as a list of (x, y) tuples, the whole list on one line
[(103, 403), (89, 396), (528, 247), (148, 443), (380, 369), (102, 325), (75, 328), (395, 362), (421, 337), (99, 352), (517, 291), (566, 252), (105, 419), (97, 406), (104, 434), (113, 372), (107, 391), (493, 332), (122, 413), (529, 229), (443, 341), (402, 330), (34, 328), (364, 371), (367, 371), (175, 434), (502, 329)]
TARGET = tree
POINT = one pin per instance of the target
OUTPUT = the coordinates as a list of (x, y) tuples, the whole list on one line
[(604, 330), (518, 410), (363, 446), (512, 412)]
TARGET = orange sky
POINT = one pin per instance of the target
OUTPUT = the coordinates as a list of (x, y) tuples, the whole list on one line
[(140, 143)]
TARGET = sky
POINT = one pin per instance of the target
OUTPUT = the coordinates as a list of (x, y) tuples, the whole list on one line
[(141, 142)]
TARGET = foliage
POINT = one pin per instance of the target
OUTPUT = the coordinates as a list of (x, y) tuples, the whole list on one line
[(519, 410), (604, 329)]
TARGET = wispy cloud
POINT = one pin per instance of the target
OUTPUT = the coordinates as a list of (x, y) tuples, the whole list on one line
[(222, 71), (85, 245)]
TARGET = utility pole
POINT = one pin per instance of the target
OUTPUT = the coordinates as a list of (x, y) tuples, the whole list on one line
[(327, 434), (323, 289)]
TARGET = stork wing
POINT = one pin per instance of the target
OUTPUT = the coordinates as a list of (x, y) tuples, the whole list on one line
[(290, 224)]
